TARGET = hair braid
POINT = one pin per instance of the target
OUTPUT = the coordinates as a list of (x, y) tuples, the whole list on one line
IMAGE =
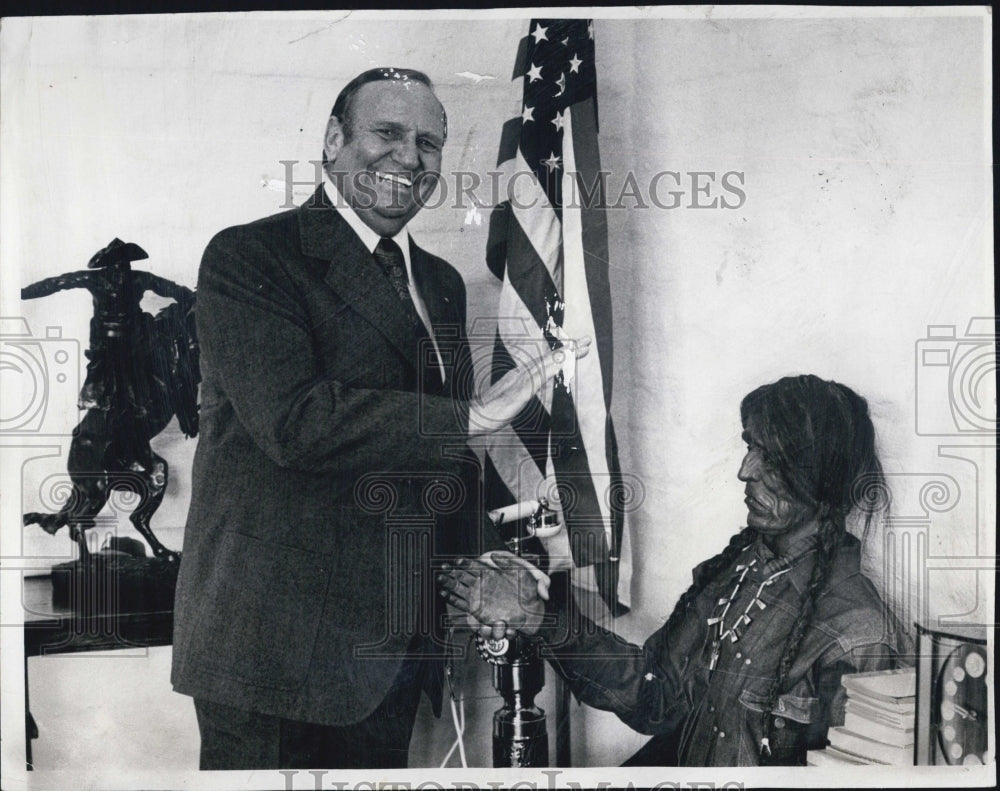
[(829, 535), (708, 571)]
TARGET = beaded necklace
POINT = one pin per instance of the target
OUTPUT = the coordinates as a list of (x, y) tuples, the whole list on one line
[(717, 623)]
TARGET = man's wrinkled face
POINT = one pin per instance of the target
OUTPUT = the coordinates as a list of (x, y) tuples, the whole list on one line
[(772, 508), (386, 156)]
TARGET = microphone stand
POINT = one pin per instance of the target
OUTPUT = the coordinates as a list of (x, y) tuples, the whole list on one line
[(520, 738)]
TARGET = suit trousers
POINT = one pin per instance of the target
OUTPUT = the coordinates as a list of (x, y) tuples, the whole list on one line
[(232, 738)]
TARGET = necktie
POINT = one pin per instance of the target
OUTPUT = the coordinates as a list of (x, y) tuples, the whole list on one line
[(390, 258)]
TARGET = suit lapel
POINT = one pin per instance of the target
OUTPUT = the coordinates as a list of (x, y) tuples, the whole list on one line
[(440, 308), (353, 272), (445, 316)]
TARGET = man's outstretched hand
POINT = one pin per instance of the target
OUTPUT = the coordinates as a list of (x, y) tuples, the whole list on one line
[(497, 405), (500, 593)]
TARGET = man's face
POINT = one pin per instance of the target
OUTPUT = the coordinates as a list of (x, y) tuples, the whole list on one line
[(772, 509), (391, 162)]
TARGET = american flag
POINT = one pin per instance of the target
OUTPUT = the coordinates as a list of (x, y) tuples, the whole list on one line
[(548, 246)]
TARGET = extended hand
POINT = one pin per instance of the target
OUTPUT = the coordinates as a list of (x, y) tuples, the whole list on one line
[(501, 599), (498, 405)]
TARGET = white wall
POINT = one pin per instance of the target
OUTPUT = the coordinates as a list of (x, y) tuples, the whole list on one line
[(867, 218)]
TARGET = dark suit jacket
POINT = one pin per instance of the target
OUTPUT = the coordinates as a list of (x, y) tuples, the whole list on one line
[(330, 471)]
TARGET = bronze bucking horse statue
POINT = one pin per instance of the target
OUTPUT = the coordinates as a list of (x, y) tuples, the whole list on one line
[(141, 372)]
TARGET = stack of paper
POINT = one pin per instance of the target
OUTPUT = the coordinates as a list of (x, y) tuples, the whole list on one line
[(879, 721)]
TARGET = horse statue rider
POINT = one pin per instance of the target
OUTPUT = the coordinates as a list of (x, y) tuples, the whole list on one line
[(141, 371)]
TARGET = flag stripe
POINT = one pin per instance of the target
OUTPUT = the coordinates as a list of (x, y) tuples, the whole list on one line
[(615, 492), (496, 240), (586, 386), (501, 361), (528, 277), (521, 59), (531, 208), (522, 343), (496, 492), (595, 246), (595, 234), (532, 427), (510, 138), (579, 500)]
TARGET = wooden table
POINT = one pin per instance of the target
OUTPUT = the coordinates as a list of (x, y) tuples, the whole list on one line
[(49, 629)]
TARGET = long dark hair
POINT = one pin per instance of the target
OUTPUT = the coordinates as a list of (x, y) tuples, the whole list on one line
[(819, 436)]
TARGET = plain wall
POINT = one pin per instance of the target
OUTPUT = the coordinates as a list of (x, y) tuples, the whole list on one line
[(862, 144)]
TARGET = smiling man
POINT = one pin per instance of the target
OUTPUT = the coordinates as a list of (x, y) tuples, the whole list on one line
[(383, 146), (331, 469), (747, 669)]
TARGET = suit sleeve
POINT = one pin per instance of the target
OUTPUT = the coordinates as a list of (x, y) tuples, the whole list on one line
[(255, 339)]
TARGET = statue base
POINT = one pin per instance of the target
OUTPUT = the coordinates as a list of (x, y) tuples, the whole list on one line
[(115, 582)]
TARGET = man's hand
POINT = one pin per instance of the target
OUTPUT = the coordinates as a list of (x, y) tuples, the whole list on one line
[(498, 405), (500, 599)]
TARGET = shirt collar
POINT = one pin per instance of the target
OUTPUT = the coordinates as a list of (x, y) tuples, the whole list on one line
[(799, 558), (368, 237)]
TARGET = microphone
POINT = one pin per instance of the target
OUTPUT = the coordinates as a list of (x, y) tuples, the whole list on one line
[(543, 521)]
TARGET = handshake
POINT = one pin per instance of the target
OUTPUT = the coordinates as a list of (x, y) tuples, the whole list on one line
[(499, 593)]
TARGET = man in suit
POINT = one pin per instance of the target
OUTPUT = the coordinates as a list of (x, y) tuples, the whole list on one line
[(331, 470)]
